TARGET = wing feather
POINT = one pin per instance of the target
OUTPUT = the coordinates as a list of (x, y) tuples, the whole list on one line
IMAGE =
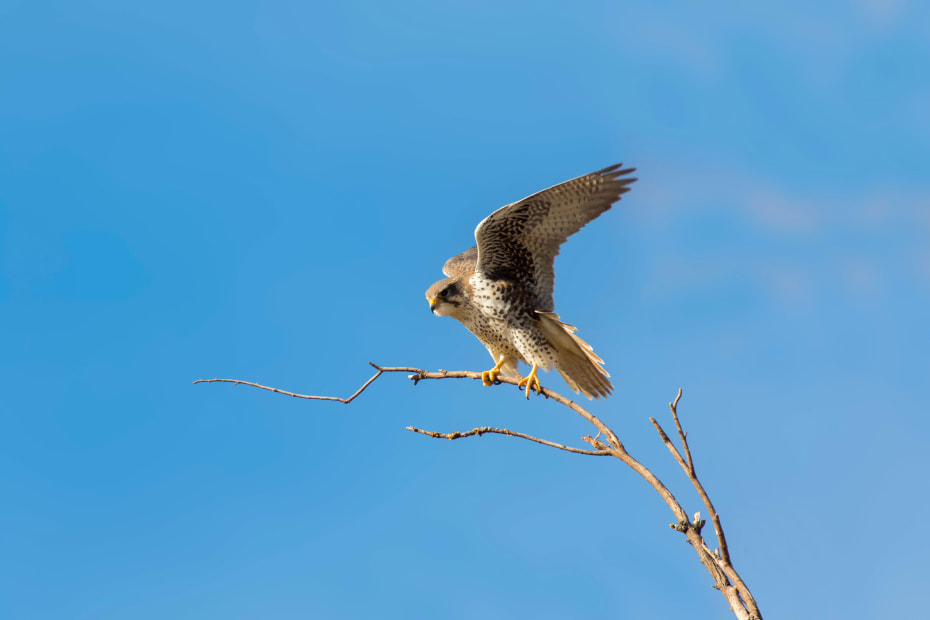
[(521, 240)]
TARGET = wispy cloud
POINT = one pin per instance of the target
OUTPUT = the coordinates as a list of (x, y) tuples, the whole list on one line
[(860, 275), (789, 285), (782, 213), (794, 244), (884, 13), (923, 268)]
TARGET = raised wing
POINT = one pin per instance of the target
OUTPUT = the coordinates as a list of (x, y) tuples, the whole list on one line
[(521, 240), (463, 265)]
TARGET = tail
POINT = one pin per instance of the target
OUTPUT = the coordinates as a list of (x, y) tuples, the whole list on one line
[(510, 369), (576, 360)]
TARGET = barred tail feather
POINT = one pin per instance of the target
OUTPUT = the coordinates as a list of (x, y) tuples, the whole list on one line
[(577, 363)]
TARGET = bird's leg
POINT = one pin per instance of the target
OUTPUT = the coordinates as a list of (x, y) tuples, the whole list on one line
[(488, 377), (531, 381)]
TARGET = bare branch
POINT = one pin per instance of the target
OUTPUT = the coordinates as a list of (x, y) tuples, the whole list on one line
[(420, 375), (714, 517), (503, 431), (687, 464), (726, 579), (671, 446)]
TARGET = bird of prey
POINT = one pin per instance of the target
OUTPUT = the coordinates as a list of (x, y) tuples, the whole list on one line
[(501, 289)]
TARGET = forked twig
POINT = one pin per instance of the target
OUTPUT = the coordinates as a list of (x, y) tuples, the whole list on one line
[(306, 396), (687, 464)]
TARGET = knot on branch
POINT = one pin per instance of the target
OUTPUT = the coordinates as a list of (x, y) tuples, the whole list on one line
[(683, 526), (597, 445)]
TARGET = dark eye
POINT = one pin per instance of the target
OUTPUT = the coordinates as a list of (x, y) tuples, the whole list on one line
[(443, 293)]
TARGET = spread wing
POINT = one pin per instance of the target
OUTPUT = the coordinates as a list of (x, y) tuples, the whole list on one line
[(521, 240), (463, 265)]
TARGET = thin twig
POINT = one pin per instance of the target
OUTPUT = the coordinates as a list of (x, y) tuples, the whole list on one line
[(684, 436), (306, 396), (503, 431)]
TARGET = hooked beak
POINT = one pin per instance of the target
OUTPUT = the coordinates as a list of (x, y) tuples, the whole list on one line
[(433, 304)]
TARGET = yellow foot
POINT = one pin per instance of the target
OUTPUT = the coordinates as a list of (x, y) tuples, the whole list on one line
[(488, 377), (531, 381)]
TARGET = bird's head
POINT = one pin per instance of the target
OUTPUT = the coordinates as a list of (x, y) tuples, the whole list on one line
[(445, 297)]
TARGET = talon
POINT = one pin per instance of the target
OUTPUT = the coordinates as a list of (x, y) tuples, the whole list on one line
[(531, 381), (488, 377)]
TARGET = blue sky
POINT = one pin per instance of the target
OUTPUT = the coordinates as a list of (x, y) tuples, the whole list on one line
[(264, 190)]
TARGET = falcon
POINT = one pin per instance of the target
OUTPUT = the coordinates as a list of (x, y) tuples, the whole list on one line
[(501, 289)]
